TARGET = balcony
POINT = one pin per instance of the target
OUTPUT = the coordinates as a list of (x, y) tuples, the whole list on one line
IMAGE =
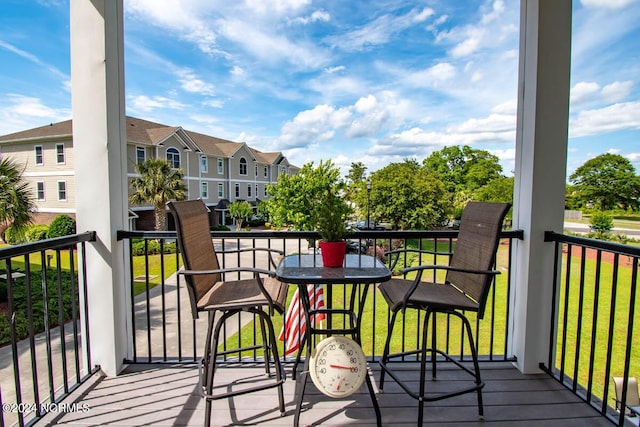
[(55, 381)]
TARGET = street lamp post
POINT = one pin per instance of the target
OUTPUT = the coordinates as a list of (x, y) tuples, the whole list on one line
[(368, 204)]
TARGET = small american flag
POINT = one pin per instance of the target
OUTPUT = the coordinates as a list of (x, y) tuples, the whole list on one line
[(295, 326)]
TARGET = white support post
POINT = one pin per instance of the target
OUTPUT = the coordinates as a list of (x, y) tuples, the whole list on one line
[(99, 144), (540, 172)]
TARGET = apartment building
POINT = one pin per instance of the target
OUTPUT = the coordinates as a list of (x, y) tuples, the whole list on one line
[(217, 170)]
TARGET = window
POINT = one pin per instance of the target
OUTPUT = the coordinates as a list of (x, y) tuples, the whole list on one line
[(243, 166), (220, 191), (40, 190), (173, 157), (220, 167), (140, 155), (204, 164), (237, 191), (256, 169), (248, 190), (257, 190), (62, 191), (266, 193), (204, 190), (60, 154), (266, 172), (39, 155)]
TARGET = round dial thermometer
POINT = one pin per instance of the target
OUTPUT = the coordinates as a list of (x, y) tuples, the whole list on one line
[(338, 366)]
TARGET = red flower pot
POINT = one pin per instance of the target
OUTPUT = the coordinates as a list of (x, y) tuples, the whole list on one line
[(333, 253)]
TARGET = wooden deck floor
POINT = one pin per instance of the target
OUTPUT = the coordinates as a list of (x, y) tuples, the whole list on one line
[(166, 395)]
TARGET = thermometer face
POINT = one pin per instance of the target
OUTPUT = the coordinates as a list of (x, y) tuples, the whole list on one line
[(338, 366)]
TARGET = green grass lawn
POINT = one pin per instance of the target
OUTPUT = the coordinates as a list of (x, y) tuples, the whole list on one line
[(156, 269)]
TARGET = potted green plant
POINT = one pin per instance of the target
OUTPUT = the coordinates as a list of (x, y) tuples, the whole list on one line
[(329, 217)]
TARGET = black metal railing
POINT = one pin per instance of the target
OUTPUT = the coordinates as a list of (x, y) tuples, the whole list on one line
[(44, 352), (164, 330), (593, 336)]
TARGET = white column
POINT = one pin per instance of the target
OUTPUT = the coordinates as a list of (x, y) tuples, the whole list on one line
[(99, 143), (541, 157)]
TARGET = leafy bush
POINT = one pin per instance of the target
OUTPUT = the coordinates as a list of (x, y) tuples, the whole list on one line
[(601, 222), (38, 303), (220, 228), (14, 236), (152, 247), (62, 225), (36, 232)]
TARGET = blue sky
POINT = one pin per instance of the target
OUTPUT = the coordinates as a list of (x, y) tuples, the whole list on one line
[(374, 81)]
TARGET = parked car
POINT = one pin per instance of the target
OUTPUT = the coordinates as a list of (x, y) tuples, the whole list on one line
[(373, 225), (356, 246)]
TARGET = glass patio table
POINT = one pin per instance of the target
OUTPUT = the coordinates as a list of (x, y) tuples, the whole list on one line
[(359, 271)]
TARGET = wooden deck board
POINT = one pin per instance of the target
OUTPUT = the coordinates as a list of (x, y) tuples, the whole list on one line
[(167, 395)]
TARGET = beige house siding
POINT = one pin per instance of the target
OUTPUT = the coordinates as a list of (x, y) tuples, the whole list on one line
[(156, 140)]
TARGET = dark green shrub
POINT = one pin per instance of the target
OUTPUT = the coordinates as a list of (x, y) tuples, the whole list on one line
[(14, 236), (220, 228), (62, 225), (152, 247), (38, 303), (36, 232), (601, 222)]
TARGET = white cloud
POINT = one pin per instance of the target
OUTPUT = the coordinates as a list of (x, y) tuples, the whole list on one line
[(433, 76), (583, 91), (174, 15), (365, 118), (331, 70), (278, 7), (19, 112), (617, 91), (146, 104), (470, 44), (214, 103), (313, 126), (504, 155), (316, 16), (272, 48), (507, 107), (497, 8), (379, 31), (493, 124), (607, 4), (238, 72), (622, 116), (192, 84)]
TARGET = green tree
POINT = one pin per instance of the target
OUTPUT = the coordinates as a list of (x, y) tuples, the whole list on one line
[(608, 181), (497, 190), (16, 199), (239, 211), (357, 173), (295, 199), (157, 184), (463, 168), (409, 196), (356, 191)]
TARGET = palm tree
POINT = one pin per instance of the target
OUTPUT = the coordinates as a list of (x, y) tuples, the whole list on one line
[(157, 184), (16, 198)]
